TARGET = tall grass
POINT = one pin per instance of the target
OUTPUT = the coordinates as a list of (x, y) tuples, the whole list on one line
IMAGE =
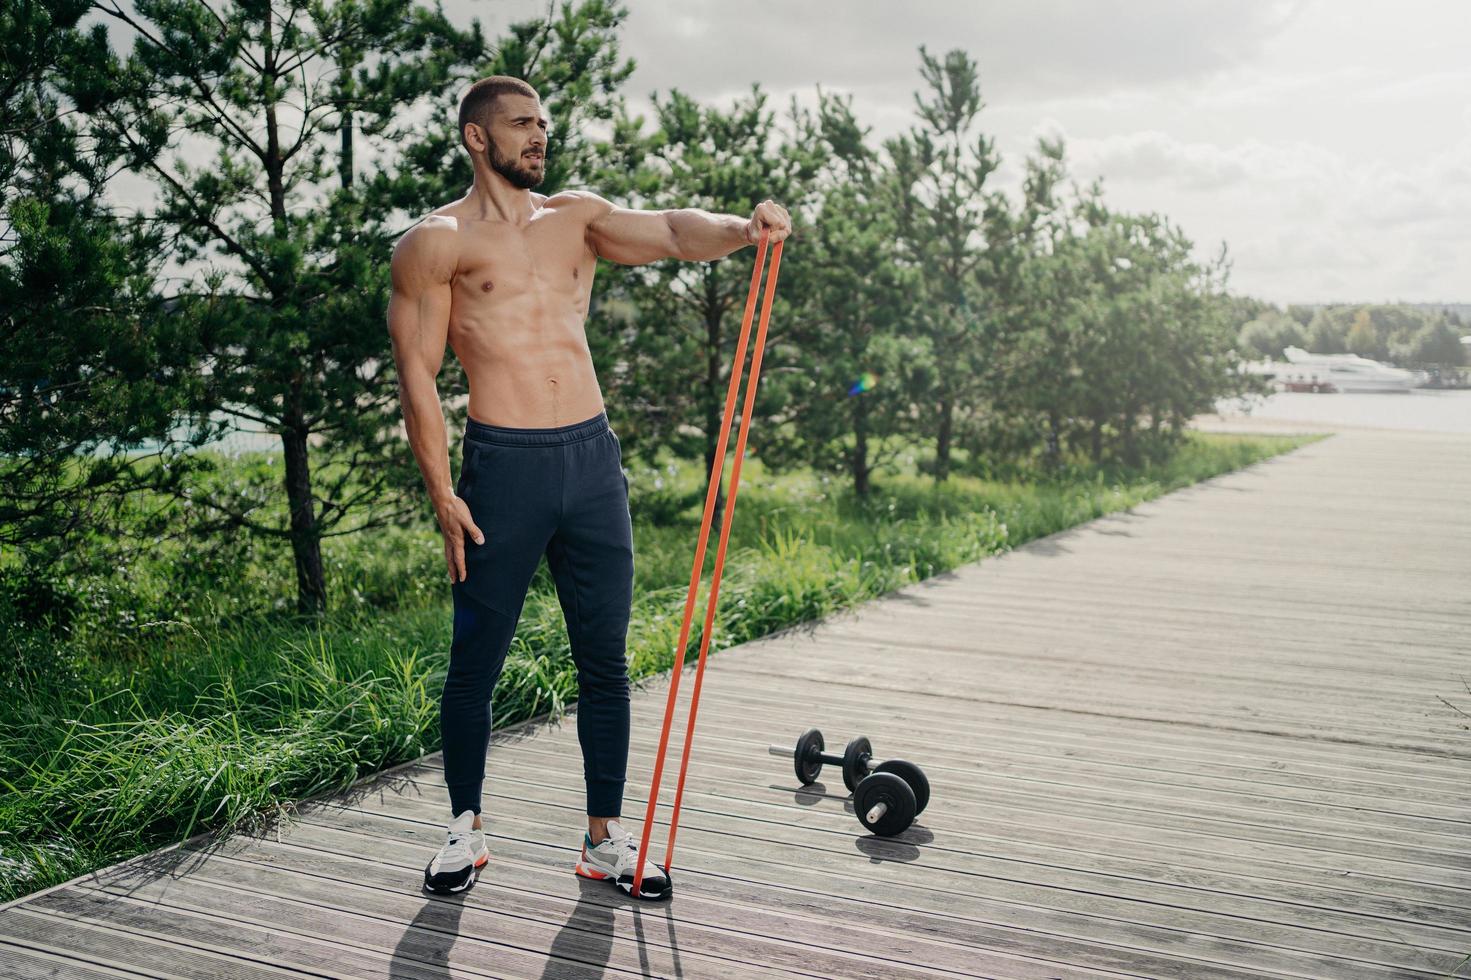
[(189, 698)]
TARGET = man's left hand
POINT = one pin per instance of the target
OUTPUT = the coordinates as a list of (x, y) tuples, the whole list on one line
[(769, 214)]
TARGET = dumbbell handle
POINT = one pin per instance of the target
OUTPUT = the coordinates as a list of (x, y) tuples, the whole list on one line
[(879, 809), (827, 758)]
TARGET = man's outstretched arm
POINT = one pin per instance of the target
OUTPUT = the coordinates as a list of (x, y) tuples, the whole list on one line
[(633, 237)]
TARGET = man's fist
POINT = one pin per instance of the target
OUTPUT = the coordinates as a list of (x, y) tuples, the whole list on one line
[(769, 214)]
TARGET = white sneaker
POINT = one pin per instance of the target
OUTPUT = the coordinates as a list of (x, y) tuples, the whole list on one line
[(616, 858), (457, 865)]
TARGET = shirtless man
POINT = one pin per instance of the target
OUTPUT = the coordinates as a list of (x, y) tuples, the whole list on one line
[(504, 275)]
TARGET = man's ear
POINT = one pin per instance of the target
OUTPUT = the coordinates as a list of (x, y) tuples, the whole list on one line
[(472, 128)]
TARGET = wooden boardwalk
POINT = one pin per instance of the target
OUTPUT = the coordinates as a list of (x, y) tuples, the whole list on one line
[(1223, 735)]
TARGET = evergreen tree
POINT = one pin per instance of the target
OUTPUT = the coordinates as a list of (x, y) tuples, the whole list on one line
[(293, 302), (842, 381), (1034, 376), (939, 202), (96, 367)]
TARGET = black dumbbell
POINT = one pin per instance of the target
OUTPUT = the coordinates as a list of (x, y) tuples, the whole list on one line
[(885, 804), (808, 758), (857, 762)]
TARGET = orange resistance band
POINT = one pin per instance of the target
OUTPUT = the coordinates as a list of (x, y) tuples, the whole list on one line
[(689, 602)]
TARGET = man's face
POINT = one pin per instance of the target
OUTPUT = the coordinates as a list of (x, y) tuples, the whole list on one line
[(518, 141)]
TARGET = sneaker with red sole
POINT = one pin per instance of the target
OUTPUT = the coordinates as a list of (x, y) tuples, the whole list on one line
[(457, 865), (616, 858)]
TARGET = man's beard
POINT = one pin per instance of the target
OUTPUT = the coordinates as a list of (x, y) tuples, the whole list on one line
[(525, 179)]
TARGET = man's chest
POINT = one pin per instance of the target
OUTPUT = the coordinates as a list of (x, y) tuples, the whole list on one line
[(547, 257)]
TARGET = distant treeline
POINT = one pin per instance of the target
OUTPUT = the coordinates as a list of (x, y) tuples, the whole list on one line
[(286, 148), (1409, 335)]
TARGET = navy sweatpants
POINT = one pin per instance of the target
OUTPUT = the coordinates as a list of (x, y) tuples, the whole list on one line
[(560, 492)]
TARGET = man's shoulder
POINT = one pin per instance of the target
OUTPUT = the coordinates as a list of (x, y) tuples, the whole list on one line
[(431, 242), (586, 202), (435, 228)]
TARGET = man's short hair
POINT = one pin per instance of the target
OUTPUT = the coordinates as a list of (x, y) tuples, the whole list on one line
[(478, 103)]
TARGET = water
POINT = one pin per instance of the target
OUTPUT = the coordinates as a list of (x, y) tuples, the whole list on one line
[(1422, 409), (1418, 410), (241, 440)]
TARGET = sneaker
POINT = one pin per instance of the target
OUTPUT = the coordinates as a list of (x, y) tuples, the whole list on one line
[(616, 858), (458, 863)]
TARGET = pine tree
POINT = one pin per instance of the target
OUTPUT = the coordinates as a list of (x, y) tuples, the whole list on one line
[(291, 246), (939, 206), (95, 368), (844, 379)]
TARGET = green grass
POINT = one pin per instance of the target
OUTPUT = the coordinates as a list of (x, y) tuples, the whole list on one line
[(188, 698)]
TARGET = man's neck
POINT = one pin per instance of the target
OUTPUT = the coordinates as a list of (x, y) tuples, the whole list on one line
[(496, 199)]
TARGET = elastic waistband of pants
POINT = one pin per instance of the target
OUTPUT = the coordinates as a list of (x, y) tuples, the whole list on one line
[(502, 435)]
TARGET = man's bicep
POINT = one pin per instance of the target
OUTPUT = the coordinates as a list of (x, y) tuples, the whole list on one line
[(418, 306), (631, 237), (418, 332)]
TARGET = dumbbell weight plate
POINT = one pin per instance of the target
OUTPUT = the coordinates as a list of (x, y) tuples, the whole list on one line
[(806, 759), (914, 776), (889, 789), (854, 757)]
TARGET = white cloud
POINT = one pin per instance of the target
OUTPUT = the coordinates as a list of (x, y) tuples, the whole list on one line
[(1432, 85), (1302, 221), (1031, 50), (1318, 139)]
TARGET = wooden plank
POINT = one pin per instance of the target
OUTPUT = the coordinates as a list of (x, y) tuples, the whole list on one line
[(872, 902), (1028, 898), (958, 740), (955, 800), (21, 963), (312, 860), (1223, 721), (749, 727), (1327, 724), (1081, 727), (967, 792), (992, 821), (1333, 662), (1064, 732), (736, 822), (52, 925), (418, 951)]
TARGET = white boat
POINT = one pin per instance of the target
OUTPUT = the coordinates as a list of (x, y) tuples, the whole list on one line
[(1344, 372)]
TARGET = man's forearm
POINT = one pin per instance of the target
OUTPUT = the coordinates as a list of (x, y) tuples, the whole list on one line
[(424, 422), (703, 236)]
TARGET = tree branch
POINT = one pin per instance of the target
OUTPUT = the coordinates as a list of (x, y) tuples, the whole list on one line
[(220, 115)]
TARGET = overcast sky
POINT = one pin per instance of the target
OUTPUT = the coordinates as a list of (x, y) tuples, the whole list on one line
[(1327, 143)]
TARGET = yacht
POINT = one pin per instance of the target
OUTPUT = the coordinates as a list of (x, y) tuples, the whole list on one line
[(1338, 372)]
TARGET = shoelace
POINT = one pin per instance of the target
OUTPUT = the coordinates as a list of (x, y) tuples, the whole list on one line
[(459, 841), (621, 845), (627, 854)]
